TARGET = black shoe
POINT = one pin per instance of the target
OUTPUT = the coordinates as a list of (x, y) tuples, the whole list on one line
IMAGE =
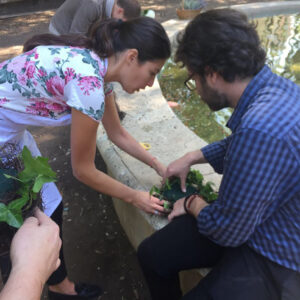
[(84, 291)]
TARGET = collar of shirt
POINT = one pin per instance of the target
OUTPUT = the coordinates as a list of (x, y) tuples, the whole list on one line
[(247, 97)]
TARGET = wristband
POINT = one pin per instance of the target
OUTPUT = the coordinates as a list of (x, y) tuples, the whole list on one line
[(186, 199)]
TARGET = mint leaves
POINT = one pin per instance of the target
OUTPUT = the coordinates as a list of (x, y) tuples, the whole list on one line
[(36, 172), (171, 190)]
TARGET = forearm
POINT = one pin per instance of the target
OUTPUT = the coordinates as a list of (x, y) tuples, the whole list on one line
[(195, 157), (103, 183), (195, 206), (125, 141), (214, 154), (22, 285)]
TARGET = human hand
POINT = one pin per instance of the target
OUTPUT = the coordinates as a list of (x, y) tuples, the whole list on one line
[(178, 209), (35, 247), (159, 167), (148, 203), (179, 168)]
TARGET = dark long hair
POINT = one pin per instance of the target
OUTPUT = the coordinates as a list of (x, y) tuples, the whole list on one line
[(113, 36), (222, 41)]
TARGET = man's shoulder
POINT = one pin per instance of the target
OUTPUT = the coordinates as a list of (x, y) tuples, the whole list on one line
[(275, 107)]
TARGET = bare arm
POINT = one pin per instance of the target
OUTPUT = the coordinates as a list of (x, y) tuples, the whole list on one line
[(120, 137), (83, 146)]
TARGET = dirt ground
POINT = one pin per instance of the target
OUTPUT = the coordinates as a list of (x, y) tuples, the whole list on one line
[(95, 245)]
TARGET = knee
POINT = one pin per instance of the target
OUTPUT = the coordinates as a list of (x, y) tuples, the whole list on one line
[(151, 259), (144, 252)]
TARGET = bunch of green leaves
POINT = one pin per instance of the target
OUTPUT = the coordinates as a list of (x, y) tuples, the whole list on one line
[(171, 190), (36, 172)]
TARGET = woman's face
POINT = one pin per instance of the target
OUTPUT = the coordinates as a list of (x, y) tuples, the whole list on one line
[(139, 75)]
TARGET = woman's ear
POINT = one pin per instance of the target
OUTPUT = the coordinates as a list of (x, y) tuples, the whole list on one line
[(132, 55), (118, 12)]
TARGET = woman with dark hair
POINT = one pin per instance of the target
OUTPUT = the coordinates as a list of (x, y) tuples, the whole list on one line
[(59, 80)]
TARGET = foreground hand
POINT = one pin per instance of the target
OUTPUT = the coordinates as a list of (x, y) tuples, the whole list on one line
[(148, 203), (35, 247), (178, 168)]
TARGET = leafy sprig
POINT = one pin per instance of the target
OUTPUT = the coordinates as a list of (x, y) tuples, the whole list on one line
[(36, 172), (171, 190)]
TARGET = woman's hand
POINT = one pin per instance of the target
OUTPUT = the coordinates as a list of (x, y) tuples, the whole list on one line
[(148, 203), (158, 167)]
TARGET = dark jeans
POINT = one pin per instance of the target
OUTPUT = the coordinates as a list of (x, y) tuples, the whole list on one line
[(60, 274), (237, 274)]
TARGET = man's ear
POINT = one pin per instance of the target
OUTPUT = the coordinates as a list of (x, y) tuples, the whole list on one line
[(211, 76)]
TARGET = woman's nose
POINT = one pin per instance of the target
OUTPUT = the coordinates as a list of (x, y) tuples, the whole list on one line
[(150, 83)]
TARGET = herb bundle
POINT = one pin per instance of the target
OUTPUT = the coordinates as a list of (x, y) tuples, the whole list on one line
[(21, 177), (171, 190)]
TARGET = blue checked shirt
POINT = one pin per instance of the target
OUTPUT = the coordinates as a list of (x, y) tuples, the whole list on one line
[(259, 196)]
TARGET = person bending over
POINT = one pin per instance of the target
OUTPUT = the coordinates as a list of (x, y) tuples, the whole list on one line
[(59, 80)]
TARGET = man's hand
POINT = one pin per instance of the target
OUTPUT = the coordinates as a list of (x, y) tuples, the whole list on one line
[(178, 168), (194, 206), (178, 209), (181, 167)]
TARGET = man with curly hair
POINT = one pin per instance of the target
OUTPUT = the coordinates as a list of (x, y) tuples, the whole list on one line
[(250, 236)]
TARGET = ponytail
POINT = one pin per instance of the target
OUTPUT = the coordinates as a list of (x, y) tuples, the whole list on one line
[(112, 36)]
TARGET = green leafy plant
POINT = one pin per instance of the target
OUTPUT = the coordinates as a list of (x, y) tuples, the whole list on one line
[(171, 190), (30, 180)]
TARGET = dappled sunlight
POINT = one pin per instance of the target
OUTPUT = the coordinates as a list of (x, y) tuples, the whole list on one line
[(25, 23), (15, 31), (8, 52)]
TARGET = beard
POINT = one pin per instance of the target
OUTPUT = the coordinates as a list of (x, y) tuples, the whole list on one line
[(213, 98)]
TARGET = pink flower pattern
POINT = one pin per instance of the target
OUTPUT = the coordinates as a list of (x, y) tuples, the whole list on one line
[(2, 101), (41, 75), (55, 86), (89, 83)]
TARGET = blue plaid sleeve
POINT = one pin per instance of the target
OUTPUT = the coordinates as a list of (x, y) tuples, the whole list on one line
[(256, 168), (214, 153)]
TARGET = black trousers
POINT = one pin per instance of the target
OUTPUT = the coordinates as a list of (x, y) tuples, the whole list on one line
[(60, 274), (237, 273)]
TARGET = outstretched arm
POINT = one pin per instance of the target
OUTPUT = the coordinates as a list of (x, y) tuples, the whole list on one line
[(121, 137), (83, 146)]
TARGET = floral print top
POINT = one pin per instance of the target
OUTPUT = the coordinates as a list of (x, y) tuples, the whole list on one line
[(50, 80)]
